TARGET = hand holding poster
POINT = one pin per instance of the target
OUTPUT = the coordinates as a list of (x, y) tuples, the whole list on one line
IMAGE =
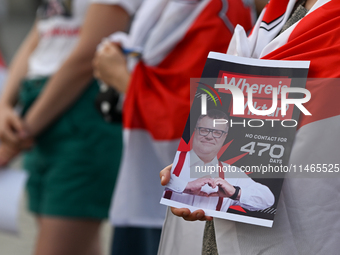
[(236, 145)]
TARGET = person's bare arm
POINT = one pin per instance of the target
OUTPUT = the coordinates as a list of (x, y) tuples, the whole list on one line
[(185, 213), (12, 129), (72, 78)]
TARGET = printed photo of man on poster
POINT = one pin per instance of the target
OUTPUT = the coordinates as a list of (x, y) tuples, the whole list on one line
[(222, 185)]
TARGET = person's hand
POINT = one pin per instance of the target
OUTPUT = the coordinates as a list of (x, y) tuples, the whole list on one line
[(12, 128), (185, 213), (110, 66), (225, 189), (165, 175), (194, 187), (7, 153)]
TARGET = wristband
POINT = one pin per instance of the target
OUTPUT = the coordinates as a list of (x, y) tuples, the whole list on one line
[(237, 190)]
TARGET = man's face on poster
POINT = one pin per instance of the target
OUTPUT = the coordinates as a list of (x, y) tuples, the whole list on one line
[(208, 140)]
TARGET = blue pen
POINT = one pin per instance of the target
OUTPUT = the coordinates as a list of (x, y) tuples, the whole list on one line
[(131, 52)]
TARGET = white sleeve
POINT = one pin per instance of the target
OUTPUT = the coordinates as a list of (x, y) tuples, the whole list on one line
[(131, 6), (178, 183), (254, 196)]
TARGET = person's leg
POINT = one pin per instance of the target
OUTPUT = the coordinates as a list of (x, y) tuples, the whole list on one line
[(135, 240), (59, 236), (72, 177)]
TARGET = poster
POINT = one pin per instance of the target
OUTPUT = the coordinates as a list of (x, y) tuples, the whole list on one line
[(235, 148)]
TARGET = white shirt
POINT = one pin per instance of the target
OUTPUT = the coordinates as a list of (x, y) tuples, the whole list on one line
[(254, 196), (59, 25)]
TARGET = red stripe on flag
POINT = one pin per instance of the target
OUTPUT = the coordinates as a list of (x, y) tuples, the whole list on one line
[(274, 10), (158, 98), (316, 38)]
